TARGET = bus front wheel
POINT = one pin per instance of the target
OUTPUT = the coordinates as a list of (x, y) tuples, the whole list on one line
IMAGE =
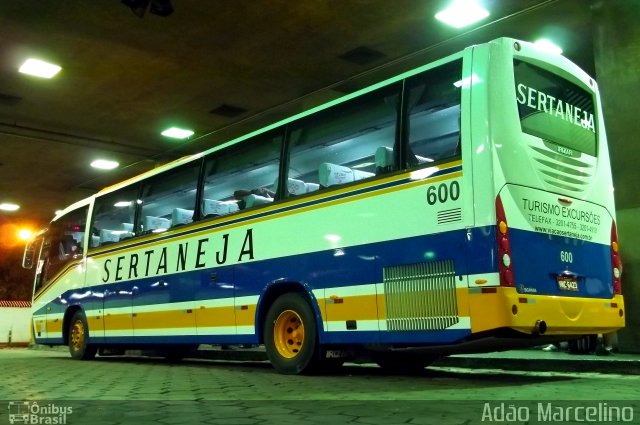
[(291, 335), (79, 348)]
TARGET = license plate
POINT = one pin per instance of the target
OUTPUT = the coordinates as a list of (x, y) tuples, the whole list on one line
[(567, 283)]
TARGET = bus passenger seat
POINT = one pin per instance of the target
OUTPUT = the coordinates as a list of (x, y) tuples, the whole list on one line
[(332, 174), (253, 200), (181, 216), (214, 208), (155, 223), (384, 160), (312, 187), (126, 230), (296, 187), (94, 242), (109, 236)]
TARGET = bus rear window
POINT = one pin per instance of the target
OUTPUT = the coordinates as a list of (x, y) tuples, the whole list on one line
[(555, 109)]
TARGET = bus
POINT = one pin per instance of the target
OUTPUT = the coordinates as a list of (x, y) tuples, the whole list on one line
[(463, 206)]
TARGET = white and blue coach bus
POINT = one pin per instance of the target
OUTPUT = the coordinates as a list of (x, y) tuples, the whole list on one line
[(466, 205)]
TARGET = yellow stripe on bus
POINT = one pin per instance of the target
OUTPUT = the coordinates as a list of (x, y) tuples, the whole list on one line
[(372, 307), (167, 319)]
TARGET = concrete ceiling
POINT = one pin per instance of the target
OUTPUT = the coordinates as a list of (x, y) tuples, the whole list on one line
[(125, 78)]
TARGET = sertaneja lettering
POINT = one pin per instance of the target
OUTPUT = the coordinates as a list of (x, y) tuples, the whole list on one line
[(162, 260), (558, 108)]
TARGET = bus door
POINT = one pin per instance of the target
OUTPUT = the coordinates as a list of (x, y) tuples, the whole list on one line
[(30, 259), (214, 314), (59, 270)]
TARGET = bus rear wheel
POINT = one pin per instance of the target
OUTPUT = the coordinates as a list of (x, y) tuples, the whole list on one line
[(291, 335), (79, 346)]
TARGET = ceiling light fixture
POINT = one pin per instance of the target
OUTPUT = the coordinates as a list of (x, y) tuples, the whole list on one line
[(547, 45), (39, 68), (462, 13), (177, 133), (104, 164), (9, 207)]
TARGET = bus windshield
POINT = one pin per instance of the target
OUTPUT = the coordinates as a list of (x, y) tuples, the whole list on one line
[(554, 109)]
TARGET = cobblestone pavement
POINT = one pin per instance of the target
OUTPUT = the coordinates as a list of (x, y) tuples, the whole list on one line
[(124, 390)]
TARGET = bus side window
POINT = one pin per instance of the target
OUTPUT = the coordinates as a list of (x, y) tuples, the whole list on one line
[(63, 243), (113, 217), (242, 176), (339, 145), (168, 200), (434, 115)]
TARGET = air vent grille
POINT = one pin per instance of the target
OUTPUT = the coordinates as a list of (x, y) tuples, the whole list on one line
[(450, 216), (420, 296), (563, 172)]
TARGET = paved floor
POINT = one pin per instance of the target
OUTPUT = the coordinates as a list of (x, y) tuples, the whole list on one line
[(129, 390)]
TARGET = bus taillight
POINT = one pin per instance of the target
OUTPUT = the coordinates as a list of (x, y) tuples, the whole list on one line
[(504, 247), (616, 263)]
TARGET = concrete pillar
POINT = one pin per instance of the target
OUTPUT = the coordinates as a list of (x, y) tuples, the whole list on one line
[(616, 34)]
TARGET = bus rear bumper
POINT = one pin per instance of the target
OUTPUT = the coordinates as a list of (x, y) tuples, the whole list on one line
[(506, 308)]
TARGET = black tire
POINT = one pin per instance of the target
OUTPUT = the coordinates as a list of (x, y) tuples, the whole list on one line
[(291, 335), (586, 344), (402, 362), (79, 346)]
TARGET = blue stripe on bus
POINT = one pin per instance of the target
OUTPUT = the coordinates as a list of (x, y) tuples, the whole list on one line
[(414, 338), (324, 269)]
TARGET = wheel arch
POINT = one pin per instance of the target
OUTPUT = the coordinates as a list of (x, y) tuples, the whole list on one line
[(274, 290)]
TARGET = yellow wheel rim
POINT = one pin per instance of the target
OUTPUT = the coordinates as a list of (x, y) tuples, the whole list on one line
[(288, 334), (77, 336)]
